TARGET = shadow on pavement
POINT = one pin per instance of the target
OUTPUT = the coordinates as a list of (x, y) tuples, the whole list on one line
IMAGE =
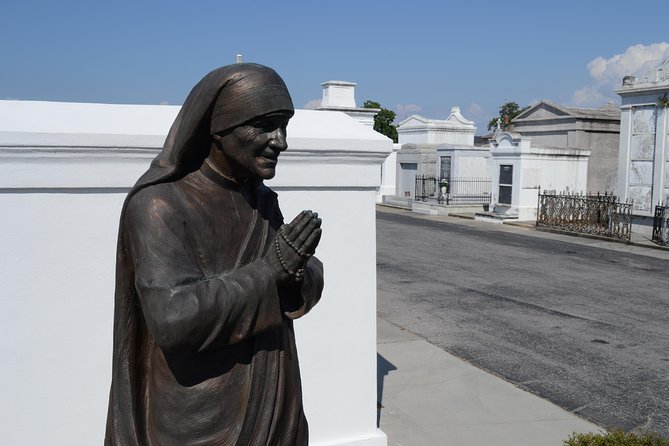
[(383, 367)]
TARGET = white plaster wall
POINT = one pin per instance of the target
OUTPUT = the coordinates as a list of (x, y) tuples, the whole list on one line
[(460, 138), (425, 135), (471, 167), (545, 138), (60, 196), (466, 162), (411, 138), (57, 298), (337, 341), (389, 175)]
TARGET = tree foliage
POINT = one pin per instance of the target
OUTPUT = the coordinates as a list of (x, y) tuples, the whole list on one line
[(507, 112), (383, 121)]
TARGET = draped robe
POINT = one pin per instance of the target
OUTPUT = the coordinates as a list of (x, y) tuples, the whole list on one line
[(204, 350)]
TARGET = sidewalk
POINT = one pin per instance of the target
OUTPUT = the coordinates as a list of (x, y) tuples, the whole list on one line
[(429, 397)]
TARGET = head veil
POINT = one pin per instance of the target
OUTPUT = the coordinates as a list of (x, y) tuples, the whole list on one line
[(225, 98)]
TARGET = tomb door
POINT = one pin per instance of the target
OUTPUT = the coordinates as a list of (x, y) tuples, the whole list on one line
[(407, 178), (505, 183), (445, 168)]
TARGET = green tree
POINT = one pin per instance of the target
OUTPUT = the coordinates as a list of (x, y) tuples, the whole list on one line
[(383, 121), (507, 112)]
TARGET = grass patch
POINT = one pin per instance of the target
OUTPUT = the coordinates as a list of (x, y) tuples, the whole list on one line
[(616, 438)]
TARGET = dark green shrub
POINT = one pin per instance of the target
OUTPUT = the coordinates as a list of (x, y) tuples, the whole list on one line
[(616, 438)]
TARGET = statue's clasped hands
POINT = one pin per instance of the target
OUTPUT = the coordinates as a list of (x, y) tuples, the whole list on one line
[(294, 244)]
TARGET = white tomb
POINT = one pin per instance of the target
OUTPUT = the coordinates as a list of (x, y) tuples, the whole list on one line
[(521, 170), (461, 161), (419, 139), (643, 164), (340, 96), (456, 129), (64, 171)]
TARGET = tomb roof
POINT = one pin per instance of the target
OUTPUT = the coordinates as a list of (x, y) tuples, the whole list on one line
[(546, 109)]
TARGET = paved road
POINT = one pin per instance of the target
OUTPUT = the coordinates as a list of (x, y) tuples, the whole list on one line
[(580, 325)]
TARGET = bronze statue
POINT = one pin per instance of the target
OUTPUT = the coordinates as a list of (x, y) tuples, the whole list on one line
[(209, 278)]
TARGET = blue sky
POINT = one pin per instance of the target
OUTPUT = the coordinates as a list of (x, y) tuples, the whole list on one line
[(413, 57)]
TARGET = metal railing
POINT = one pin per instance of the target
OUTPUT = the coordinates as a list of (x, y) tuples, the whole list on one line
[(660, 225), (600, 215), (460, 191)]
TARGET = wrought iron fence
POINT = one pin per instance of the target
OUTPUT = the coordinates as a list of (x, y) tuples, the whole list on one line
[(468, 191), (426, 187), (454, 190), (660, 225), (600, 215)]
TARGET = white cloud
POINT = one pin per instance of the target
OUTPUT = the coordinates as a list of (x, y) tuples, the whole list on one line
[(404, 111), (164, 103), (607, 74), (475, 110), (588, 95), (312, 104), (477, 113)]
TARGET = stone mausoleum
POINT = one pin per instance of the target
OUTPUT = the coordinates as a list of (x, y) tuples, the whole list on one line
[(593, 129), (643, 163)]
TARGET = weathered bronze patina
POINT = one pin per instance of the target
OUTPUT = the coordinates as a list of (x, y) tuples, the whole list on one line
[(209, 278)]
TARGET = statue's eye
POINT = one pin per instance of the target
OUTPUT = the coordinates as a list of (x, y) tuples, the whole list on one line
[(264, 125), (270, 124)]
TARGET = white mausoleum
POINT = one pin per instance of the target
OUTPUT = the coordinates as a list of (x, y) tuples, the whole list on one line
[(65, 169), (456, 129), (521, 170), (340, 96), (643, 164), (419, 138)]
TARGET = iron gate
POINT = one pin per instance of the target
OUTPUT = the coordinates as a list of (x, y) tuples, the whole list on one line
[(426, 187), (660, 225), (462, 191)]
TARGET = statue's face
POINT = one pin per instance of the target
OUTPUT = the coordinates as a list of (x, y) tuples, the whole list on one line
[(252, 149)]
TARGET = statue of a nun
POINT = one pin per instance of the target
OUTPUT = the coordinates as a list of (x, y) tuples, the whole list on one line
[(209, 279)]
